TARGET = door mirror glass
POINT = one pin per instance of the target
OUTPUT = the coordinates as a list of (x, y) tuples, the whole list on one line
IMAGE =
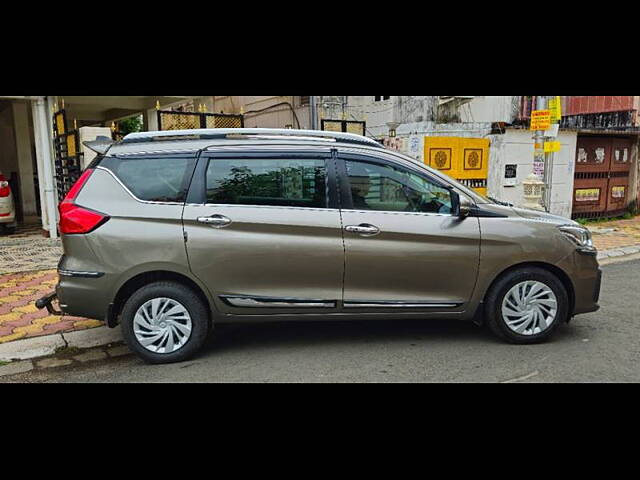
[(464, 206)]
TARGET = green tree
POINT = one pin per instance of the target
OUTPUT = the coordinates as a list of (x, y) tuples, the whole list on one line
[(130, 125)]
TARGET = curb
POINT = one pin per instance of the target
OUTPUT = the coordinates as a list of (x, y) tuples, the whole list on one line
[(35, 347), (615, 255)]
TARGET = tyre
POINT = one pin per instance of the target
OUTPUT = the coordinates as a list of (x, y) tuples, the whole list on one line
[(526, 305), (165, 322), (6, 230)]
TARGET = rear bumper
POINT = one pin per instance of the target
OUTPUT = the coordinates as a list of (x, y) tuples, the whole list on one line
[(83, 296), (10, 219), (82, 292)]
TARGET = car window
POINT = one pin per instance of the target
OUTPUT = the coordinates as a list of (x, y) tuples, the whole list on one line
[(277, 182), (154, 179), (394, 189)]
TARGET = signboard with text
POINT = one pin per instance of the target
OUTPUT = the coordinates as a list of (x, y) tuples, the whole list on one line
[(540, 120), (555, 107)]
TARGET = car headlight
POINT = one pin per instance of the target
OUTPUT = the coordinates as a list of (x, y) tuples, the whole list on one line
[(579, 236)]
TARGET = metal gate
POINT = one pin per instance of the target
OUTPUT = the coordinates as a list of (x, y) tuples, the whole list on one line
[(68, 156), (348, 126), (601, 183), (169, 120)]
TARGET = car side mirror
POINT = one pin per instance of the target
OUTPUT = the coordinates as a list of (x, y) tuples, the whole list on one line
[(464, 206)]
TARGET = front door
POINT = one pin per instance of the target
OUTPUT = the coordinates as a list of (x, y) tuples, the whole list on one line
[(405, 250), (262, 236)]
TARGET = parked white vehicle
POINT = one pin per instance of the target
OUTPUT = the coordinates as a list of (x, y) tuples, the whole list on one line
[(7, 207)]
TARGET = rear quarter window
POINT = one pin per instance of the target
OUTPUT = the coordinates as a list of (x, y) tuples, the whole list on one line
[(154, 179)]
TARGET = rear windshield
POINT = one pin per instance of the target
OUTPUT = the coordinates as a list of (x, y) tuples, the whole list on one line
[(153, 179)]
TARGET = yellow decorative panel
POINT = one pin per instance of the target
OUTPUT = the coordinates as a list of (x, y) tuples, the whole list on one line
[(357, 128), (60, 123), (464, 159), (214, 121), (71, 145), (179, 121), (473, 158), (333, 126), (440, 158)]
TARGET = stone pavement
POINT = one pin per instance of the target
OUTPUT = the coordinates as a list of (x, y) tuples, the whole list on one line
[(27, 272), (19, 317), (617, 237)]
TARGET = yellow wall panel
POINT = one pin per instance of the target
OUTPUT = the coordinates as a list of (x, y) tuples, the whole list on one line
[(462, 158)]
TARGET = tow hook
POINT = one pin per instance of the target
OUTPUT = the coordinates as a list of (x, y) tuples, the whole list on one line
[(45, 302)]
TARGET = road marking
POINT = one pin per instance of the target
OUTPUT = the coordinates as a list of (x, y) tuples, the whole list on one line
[(532, 374)]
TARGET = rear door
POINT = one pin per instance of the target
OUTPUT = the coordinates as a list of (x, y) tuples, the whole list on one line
[(405, 249), (263, 232)]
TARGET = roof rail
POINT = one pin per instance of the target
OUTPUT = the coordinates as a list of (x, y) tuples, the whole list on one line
[(249, 133)]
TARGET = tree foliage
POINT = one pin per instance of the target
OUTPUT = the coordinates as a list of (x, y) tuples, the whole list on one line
[(130, 125)]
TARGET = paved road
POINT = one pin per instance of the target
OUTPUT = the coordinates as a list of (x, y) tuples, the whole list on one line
[(599, 347)]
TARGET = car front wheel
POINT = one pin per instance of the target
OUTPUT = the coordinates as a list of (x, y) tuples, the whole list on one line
[(526, 305)]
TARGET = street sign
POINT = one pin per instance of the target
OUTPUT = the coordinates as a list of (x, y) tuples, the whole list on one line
[(555, 107), (510, 174), (538, 169), (540, 120), (551, 147)]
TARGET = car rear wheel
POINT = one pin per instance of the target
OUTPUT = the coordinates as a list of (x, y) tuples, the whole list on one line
[(526, 305), (165, 322)]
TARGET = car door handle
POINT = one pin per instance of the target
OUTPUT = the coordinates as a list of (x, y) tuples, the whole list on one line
[(363, 229), (217, 221)]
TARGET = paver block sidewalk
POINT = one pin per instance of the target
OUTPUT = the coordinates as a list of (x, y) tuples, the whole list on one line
[(626, 233), (19, 317)]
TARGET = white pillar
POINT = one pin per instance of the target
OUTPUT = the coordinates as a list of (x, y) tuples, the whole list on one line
[(150, 120), (40, 166), (42, 127), (25, 158)]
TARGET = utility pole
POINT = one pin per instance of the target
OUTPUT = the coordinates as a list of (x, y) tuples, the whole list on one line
[(538, 143), (534, 186)]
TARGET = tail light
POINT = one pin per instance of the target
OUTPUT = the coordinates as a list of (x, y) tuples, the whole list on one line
[(5, 190), (77, 219)]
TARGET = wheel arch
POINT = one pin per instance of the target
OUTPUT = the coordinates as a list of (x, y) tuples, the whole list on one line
[(145, 278), (553, 269)]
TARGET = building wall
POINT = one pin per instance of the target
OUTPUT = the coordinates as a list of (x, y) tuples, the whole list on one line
[(491, 109), (424, 109), (515, 147)]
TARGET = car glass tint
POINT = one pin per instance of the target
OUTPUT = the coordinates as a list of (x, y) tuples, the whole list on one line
[(154, 179), (276, 182), (393, 189)]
